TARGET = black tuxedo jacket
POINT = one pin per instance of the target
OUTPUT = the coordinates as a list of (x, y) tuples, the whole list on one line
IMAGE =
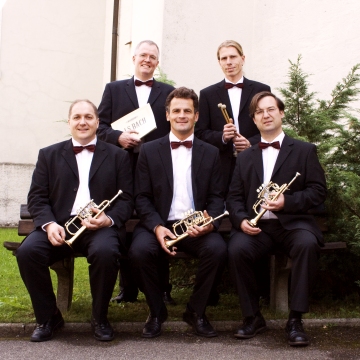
[(306, 192), (154, 181), (56, 179), (211, 121), (119, 99)]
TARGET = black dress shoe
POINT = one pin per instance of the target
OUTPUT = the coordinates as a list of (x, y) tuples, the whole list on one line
[(152, 326), (44, 332), (200, 324), (295, 333), (103, 331), (122, 296), (251, 326)]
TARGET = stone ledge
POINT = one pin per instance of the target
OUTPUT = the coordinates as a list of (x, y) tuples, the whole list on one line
[(19, 329)]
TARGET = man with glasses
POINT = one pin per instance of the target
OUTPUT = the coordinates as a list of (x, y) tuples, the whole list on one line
[(119, 99)]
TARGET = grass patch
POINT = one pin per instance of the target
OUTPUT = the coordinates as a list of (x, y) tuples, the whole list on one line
[(15, 305)]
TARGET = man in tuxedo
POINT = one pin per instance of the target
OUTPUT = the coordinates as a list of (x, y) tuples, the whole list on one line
[(236, 92), (174, 174), (285, 224), (119, 99), (66, 177)]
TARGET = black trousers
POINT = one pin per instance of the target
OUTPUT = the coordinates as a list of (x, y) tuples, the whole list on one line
[(244, 250), (36, 254), (146, 256)]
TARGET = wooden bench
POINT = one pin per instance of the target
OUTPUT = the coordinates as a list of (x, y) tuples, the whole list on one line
[(280, 265)]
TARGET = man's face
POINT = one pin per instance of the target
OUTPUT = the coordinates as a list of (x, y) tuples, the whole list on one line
[(231, 63), (145, 60), (83, 123), (182, 117), (268, 117)]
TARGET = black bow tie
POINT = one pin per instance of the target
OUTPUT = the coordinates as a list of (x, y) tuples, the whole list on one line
[(147, 83), (231, 85), (78, 149), (176, 144), (275, 144)]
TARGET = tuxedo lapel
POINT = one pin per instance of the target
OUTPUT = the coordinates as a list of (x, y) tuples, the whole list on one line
[(196, 160), (256, 156), (154, 93), (224, 96), (165, 156), (100, 155), (245, 94), (130, 90), (69, 156), (285, 150)]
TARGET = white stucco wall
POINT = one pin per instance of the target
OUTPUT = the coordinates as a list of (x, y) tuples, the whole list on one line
[(325, 32), (52, 52)]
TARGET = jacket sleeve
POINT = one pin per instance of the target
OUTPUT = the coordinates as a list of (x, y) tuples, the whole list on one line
[(105, 131)]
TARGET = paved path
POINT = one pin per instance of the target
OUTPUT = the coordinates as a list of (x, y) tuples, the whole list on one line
[(327, 342)]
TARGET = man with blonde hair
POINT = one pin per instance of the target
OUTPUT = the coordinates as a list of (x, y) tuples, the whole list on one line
[(236, 92)]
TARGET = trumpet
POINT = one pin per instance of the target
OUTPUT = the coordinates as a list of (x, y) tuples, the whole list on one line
[(270, 191), (191, 218), (83, 213), (222, 107)]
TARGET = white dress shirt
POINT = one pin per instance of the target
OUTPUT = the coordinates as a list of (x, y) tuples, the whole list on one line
[(183, 199), (142, 93), (83, 159), (269, 157), (235, 98)]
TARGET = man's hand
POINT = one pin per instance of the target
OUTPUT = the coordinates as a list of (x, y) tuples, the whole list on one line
[(94, 224), (276, 205), (197, 231), (160, 233), (128, 139), (241, 143), (229, 131), (248, 229), (55, 233)]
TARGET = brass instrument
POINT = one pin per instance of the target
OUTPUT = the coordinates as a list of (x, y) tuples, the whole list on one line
[(271, 191), (85, 212), (191, 218), (222, 107)]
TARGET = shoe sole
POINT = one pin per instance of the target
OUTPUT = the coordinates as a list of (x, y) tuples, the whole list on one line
[(148, 336), (104, 339), (299, 343), (56, 327), (258, 331), (194, 328)]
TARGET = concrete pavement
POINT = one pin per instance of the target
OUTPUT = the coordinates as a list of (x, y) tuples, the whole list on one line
[(330, 339)]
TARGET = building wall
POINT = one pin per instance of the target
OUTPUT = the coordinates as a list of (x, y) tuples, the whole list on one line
[(51, 53)]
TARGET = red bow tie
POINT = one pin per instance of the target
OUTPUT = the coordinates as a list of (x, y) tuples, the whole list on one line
[(176, 144), (147, 83), (275, 144), (78, 149), (231, 85)]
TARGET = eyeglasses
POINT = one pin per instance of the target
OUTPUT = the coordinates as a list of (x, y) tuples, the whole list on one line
[(270, 110)]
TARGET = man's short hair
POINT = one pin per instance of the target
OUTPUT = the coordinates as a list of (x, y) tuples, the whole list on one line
[(87, 101), (182, 93), (257, 97), (232, 43), (149, 42)]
